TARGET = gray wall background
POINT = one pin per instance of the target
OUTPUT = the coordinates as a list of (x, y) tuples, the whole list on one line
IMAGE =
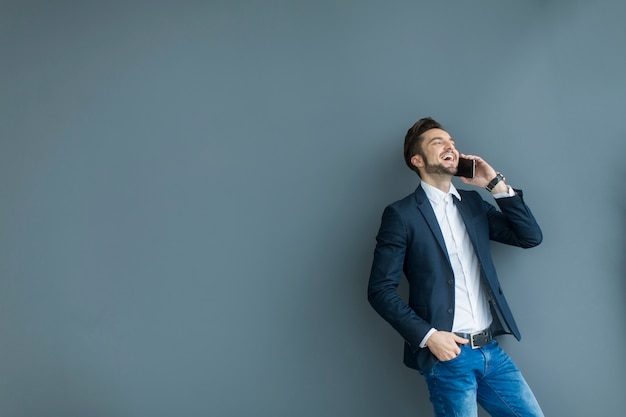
[(191, 190)]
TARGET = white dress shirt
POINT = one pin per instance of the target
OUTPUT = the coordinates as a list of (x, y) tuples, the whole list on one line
[(471, 311)]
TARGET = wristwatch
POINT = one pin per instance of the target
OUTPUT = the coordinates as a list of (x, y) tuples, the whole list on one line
[(499, 177)]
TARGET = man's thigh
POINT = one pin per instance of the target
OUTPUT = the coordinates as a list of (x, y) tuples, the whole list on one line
[(502, 390), (453, 385)]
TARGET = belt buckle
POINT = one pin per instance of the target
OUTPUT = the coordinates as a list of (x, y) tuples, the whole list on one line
[(479, 339)]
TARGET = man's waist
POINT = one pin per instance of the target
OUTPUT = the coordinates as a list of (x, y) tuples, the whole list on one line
[(477, 339)]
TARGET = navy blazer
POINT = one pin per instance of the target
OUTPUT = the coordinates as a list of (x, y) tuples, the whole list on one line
[(410, 241)]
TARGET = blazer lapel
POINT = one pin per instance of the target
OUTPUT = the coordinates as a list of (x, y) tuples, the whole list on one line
[(429, 215), (466, 214)]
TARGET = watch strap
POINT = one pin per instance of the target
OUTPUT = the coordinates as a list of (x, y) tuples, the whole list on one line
[(499, 177)]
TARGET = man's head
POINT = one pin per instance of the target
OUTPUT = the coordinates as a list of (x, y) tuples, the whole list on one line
[(429, 148)]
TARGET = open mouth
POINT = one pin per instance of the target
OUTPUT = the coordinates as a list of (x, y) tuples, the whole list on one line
[(448, 157)]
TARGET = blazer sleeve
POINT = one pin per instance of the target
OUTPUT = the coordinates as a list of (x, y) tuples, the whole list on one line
[(385, 276), (514, 224)]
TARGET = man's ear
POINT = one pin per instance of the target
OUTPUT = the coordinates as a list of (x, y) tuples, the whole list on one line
[(417, 161)]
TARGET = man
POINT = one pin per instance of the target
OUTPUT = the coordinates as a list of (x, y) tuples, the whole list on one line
[(439, 238)]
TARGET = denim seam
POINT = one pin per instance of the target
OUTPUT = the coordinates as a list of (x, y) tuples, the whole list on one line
[(501, 398)]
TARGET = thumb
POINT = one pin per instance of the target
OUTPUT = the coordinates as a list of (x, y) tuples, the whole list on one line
[(460, 340)]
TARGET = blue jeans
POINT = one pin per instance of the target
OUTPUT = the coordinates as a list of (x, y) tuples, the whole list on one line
[(486, 375)]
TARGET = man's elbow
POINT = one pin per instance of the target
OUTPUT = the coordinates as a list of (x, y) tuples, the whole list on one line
[(377, 297), (373, 296), (532, 240)]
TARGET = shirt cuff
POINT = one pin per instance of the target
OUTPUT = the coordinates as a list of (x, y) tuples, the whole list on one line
[(509, 193), (423, 342)]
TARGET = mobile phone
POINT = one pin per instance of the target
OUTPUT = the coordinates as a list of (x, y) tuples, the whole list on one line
[(465, 168)]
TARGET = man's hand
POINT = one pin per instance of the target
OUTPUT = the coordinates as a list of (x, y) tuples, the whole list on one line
[(483, 174), (445, 345)]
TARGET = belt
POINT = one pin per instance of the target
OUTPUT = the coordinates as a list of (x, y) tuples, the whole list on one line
[(477, 339)]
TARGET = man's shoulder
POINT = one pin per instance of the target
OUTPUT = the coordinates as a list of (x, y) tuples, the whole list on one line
[(470, 194), (418, 196), (405, 202)]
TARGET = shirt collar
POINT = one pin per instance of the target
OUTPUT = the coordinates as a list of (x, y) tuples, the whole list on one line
[(435, 195)]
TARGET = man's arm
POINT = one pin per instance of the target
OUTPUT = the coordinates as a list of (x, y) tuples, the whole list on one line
[(385, 277), (514, 224)]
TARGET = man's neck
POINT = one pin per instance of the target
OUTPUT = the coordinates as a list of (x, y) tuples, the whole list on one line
[(441, 182)]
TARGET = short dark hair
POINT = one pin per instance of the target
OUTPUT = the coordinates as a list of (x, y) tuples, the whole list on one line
[(413, 139)]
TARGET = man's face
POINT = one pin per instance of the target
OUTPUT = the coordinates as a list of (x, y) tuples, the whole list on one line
[(438, 154)]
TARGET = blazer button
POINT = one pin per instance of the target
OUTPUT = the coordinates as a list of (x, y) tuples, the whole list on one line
[(450, 311), (450, 281)]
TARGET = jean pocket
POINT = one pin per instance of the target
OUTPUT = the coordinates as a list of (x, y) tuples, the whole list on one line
[(456, 358)]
